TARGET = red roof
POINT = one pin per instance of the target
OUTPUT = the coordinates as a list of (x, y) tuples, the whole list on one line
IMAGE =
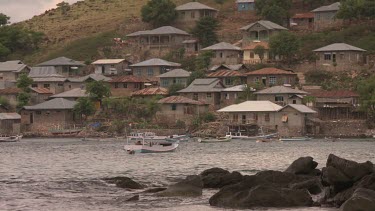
[(303, 15), (334, 94), (224, 74), (151, 91), (270, 71), (42, 90), (10, 91), (180, 100), (252, 45), (128, 79)]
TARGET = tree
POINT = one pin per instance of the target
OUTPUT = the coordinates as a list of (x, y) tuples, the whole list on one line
[(4, 51), (221, 2), (24, 83), (260, 51), (205, 31), (4, 20), (174, 88), (246, 94), (84, 107), (366, 90), (196, 74), (23, 99), (159, 12), (97, 90), (4, 102), (284, 44), (203, 60), (274, 10), (64, 7), (356, 9)]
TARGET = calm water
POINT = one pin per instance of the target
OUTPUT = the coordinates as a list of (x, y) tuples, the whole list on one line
[(65, 174)]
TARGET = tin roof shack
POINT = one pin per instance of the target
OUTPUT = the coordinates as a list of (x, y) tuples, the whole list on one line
[(225, 53), (176, 76), (293, 120), (188, 14), (250, 57), (231, 95), (122, 86), (64, 66), (340, 56), (47, 77), (281, 95), (39, 95), (205, 90), (260, 30), (245, 5), (73, 94), (302, 21), (80, 82), (228, 77), (10, 123), (180, 108), (42, 117), (10, 71), (149, 93), (191, 47), (325, 16), (337, 104), (153, 67), (271, 76), (110, 67)]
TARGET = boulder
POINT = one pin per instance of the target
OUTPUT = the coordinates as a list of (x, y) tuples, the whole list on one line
[(190, 187), (279, 178), (262, 196), (218, 178), (361, 200), (351, 169), (333, 176), (124, 182), (303, 165), (214, 171), (313, 186)]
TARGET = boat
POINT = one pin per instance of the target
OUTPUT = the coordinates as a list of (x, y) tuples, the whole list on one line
[(15, 138), (150, 147), (226, 138), (147, 136), (267, 140), (177, 138), (238, 135), (65, 132), (295, 139)]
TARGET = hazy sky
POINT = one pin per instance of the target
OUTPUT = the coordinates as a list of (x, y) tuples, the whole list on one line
[(19, 10)]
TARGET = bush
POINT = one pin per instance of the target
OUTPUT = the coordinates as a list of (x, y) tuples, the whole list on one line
[(208, 117)]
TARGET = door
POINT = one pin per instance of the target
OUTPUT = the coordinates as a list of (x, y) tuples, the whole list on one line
[(243, 119), (31, 118)]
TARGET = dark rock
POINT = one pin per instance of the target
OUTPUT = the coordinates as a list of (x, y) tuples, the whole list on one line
[(190, 187), (333, 176), (214, 171), (303, 165), (351, 169), (133, 198), (362, 200), (313, 186), (154, 190), (219, 179), (282, 179), (124, 182), (261, 196)]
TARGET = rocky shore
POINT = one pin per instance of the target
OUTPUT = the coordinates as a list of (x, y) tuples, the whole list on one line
[(342, 183)]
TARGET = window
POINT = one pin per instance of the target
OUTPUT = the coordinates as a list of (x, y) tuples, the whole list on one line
[(226, 96), (38, 112), (228, 81), (267, 117), (342, 56), (193, 14), (221, 55), (294, 101), (174, 107), (125, 85), (180, 81), (279, 98), (195, 96), (150, 72), (34, 85), (252, 55), (136, 85), (327, 56), (255, 117), (116, 85), (165, 83), (209, 95), (46, 86), (243, 119), (60, 84), (235, 117), (334, 57), (272, 80), (138, 72), (112, 65), (235, 95), (256, 79)]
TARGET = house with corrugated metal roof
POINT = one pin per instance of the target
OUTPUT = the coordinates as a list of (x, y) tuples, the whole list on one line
[(153, 67), (148, 93), (325, 16), (228, 77), (176, 76), (64, 66), (302, 21), (39, 95), (47, 77), (293, 120), (250, 56), (231, 95), (245, 5), (271, 76), (80, 82), (281, 95), (10, 124), (122, 86), (340, 56), (73, 94), (260, 30), (188, 14), (224, 53), (10, 71), (112, 67)]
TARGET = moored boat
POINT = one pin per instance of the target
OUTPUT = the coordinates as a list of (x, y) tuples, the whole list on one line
[(177, 138), (295, 139), (147, 136), (15, 138), (150, 147), (226, 138)]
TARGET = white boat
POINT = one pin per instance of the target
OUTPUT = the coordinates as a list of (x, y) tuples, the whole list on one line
[(148, 136), (10, 138), (295, 139), (150, 147), (238, 135), (177, 138), (226, 138)]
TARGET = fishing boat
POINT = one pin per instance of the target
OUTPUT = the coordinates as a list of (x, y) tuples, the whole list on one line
[(150, 147), (239, 135), (15, 138), (295, 139), (177, 138), (65, 132), (147, 136), (226, 138)]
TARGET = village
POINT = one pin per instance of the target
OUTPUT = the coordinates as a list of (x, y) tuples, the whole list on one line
[(114, 95)]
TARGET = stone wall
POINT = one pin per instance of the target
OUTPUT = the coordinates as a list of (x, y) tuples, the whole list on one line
[(343, 128)]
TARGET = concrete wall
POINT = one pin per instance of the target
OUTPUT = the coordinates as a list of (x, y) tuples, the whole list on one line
[(228, 98), (340, 60), (150, 72), (258, 118), (295, 125), (54, 87), (205, 97), (183, 112), (323, 20), (241, 7), (265, 79), (111, 69), (257, 32), (191, 16), (10, 127), (286, 99), (226, 57), (249, 57), (166, 82)]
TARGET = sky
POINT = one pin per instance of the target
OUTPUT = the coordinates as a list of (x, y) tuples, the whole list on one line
[(19, 10)]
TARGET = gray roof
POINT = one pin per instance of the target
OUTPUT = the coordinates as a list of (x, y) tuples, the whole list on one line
[(176, 73), (227, 66), (238, 88), (159, 31), (50, 79), (95, 77), (194, 6), (54, 104), (108, 61), (332, 7), (280, 90), (222, 46), (61, 61), (339, 47), (204, 85), (267, 24), (12, 66), (4, 116), (73, 93), (245, 1), (40, 72), (301, 108), (155, 62)]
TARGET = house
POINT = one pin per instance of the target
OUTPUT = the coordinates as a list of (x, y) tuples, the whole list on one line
[(340, 56), (260, 30), (302, 21), (250, 56), (176, 76), (57, 112), (159, 39), (205, 90), (10, 94), (225, 53), (153, 67), (231, 95), (10, 123), (191, 46), (293, 120), (47, 77), (112, 66), (39, 95), (234, 67), (271, 76), (245, 5), (10, 71), (80, 82), (73, 94), (64, 66), (325, 16), (228, 77), (124, 85), (179, 108), (151, 92), (281, 95), (188, 14)]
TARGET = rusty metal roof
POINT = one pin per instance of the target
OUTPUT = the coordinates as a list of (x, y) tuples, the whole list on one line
[(180, 100), (10, 91), (128, 79), (41, 90), (151, 91), (334, 94), (270, 71), (224, 74), (303, 15), (4, 116)]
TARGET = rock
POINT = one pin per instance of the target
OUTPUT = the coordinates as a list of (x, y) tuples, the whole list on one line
[(261, 196), (124, 182), (215, 171), (303, 165), (218, 178), (353, 170), (362, 200), (154, 190), (190, 187), (282, 179), (333, 176), (133, 198), (313, 186)]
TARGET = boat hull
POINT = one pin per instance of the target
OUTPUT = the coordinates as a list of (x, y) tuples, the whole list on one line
[(151, 149), (295, 139), (10, 139)]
